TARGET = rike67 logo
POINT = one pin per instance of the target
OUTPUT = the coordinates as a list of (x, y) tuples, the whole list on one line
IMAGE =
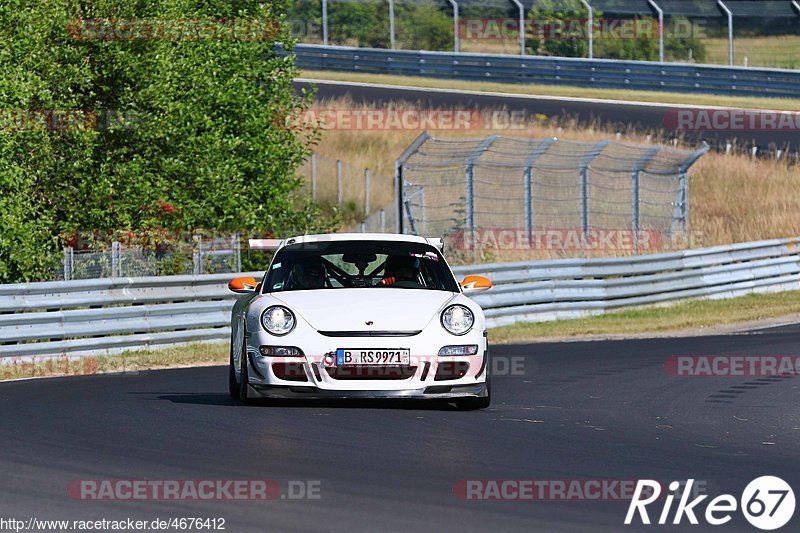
[(767, 503)]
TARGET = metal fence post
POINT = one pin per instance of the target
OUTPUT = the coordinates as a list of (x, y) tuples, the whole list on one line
[(660, 12), (421, 139), (116, 266), (366, 192), (521, 10), (313, 177), (729, 13), (197, 256), (680, 213), (455, 24), (339, 181), (528, 183), (391, 24), (469, 193), (325, 22), (590, 25), (586, 160), (69, 263), (635, 196), (237, 246)]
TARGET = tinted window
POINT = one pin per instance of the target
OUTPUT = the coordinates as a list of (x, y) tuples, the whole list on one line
[(358, 264)]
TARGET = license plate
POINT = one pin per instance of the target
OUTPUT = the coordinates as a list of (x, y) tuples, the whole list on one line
[(356, 356)]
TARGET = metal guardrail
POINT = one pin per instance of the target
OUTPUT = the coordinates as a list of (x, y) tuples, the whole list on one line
[(601, 73), (97, 316)]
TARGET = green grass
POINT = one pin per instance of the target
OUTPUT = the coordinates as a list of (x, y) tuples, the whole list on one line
[(780, 104), (778, 51), (693, 315)]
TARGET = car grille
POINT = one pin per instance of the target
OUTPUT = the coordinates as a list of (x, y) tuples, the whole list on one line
[(370, 333), (371, 372)]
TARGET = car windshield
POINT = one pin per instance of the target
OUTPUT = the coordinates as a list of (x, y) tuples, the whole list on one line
[(359, 264)]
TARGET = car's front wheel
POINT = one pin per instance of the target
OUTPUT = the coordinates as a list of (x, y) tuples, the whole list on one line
[(233, 385), (243, 374)]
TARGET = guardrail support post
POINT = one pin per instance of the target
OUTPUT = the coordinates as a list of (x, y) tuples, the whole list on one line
[(590, 27), (728, 12), (586, 160), (528, 183), (660, 12)]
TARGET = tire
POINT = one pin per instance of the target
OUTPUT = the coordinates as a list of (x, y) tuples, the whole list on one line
[(233, 385), (244, 379), (473, 404)]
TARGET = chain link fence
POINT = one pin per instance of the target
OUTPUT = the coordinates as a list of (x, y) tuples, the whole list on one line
[(203, 255), (565, 197), (353, 190)]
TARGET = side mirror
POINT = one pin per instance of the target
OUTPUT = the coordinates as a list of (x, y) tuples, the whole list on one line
[(244, 285), (475, 284)]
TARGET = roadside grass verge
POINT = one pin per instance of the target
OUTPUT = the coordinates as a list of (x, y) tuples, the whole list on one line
[(198, 354), (694, 316), (664, 97)]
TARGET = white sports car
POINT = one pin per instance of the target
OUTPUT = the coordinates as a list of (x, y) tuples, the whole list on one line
[(359, 316)]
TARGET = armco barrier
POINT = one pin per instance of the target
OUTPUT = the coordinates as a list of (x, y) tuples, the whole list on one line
[(109, 315), (601, 73)]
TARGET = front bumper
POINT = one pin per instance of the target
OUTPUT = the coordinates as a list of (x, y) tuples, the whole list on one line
[(478, 390), (314, 376)]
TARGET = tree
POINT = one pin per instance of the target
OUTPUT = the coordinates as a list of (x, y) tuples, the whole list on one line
[(191, 128)]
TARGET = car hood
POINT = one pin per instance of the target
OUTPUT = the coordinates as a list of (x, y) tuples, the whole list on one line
[(350, 309)]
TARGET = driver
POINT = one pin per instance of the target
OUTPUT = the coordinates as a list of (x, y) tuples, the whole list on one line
[(312, 274), (400, 268)]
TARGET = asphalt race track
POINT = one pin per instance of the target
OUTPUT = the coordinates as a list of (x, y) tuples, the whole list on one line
[(579, 411), (642, 117)]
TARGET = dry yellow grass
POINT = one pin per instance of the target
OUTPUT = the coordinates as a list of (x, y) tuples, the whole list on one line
[(732, 198)]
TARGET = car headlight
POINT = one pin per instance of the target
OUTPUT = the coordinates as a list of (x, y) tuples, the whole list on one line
[(457, 319), (277, 320)]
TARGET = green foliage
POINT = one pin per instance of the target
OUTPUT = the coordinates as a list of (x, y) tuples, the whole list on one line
[(366, 24), (180, 133)]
